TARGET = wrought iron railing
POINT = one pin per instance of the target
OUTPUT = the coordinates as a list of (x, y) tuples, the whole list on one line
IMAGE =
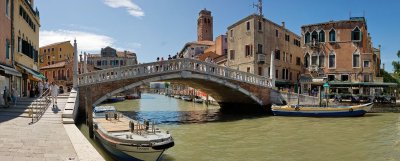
[(39, 106), (170, 66)]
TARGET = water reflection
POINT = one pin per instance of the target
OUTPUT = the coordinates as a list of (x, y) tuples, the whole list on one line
[(205, 133)]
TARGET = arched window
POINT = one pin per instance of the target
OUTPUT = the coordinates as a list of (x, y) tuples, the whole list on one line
[(68, 74), (62, 74), (356, 60), (332, 60), (322, 60), (59, 74), (356, 34), (307, 38), (205, 20), (307, 60), (332, 35), (314, 59), (321, 36), (314, 36)]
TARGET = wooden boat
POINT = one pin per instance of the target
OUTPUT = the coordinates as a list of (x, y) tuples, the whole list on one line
[(129, 139), (331, 111)]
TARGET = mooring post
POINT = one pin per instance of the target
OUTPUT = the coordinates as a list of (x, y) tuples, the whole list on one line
[(89, 111), (207, 101), (319, 96)]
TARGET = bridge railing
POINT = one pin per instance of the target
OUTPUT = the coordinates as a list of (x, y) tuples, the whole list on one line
[(169, 66)]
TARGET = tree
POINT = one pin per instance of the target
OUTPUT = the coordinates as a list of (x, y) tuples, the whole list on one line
[(396, 64)]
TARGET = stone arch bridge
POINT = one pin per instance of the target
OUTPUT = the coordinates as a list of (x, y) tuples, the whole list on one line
[(229, 87)]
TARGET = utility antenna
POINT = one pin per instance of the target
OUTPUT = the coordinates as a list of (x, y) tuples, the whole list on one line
[(350, 14), (259, 7)]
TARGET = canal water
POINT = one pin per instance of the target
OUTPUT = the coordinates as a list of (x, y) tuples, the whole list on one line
[(204, 133)]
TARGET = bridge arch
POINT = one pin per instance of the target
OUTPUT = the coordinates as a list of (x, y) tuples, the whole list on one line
[(228, 86), (218, 88)]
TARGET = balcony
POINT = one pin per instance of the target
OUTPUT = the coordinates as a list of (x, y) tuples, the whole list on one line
[(260, 58)]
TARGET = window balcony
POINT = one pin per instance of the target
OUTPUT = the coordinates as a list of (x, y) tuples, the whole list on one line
[(260, 58)]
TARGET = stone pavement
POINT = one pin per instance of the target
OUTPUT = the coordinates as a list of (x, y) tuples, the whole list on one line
[(46, 140)]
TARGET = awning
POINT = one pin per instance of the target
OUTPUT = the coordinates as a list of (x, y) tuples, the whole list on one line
[(361, 84), (34, 73), (10, 71)]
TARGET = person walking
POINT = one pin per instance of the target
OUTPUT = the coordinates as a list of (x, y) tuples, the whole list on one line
[(6, 97), (54, 93), (14, 96), (40, 86), (46, 85)]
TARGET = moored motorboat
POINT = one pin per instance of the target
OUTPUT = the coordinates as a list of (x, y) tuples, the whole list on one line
[(186, 98), (116, 99), (129, 139), (315, 111), (198, 100)]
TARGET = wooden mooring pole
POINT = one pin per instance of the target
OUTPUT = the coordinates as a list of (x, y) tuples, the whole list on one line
[(89, 111)]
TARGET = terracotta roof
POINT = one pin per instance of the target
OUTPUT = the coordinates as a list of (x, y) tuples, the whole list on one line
[(210, 49), (128, 54), (57, 43), (56, 65), (203, 57), (355, 19)]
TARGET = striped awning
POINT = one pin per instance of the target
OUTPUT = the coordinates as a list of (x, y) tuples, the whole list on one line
[(34, 73)]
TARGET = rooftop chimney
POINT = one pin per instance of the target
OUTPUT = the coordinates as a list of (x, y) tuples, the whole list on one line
[(283, 24)]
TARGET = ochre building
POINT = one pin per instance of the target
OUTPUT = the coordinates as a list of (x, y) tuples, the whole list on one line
[(251, 42)]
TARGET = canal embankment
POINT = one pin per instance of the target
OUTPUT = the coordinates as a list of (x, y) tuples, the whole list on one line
[(385, 108)]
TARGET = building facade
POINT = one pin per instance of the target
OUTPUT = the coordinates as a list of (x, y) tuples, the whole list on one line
[(56, 63), (251, 42), (55, 53), (110, 58), (194, 49), (7, 71), (342, 53), (25, 38)]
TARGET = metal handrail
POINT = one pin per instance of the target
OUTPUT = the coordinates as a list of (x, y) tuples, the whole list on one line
[(38, 108)]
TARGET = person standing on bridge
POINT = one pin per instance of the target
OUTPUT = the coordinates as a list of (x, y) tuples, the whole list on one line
[(40, 86), (54, 93), (46, 85)]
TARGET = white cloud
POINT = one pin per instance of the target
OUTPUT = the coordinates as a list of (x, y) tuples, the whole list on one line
[(132, 8), (86, 41)]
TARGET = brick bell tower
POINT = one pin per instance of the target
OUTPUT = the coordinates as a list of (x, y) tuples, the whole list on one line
[(205, 26)]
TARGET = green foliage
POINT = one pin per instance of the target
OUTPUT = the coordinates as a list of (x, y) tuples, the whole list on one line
[(396, 64), (388, 78)]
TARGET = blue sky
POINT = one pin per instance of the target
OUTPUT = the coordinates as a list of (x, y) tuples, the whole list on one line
[(153, 28)]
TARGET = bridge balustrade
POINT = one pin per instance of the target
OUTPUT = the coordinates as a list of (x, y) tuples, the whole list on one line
[(170, 66)]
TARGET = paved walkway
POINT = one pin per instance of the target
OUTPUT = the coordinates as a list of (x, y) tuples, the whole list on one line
[(46, 140)]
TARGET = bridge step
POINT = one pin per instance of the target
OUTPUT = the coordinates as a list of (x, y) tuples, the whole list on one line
[(68, 121), (25, 115), (16, 110)]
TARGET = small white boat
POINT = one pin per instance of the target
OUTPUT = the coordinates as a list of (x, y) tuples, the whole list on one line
[(186, 98), (198, 100), (129, 139), (177, 96)]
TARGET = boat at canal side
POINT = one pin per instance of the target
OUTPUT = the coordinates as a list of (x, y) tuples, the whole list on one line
[(129, 139), (315, 111)]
